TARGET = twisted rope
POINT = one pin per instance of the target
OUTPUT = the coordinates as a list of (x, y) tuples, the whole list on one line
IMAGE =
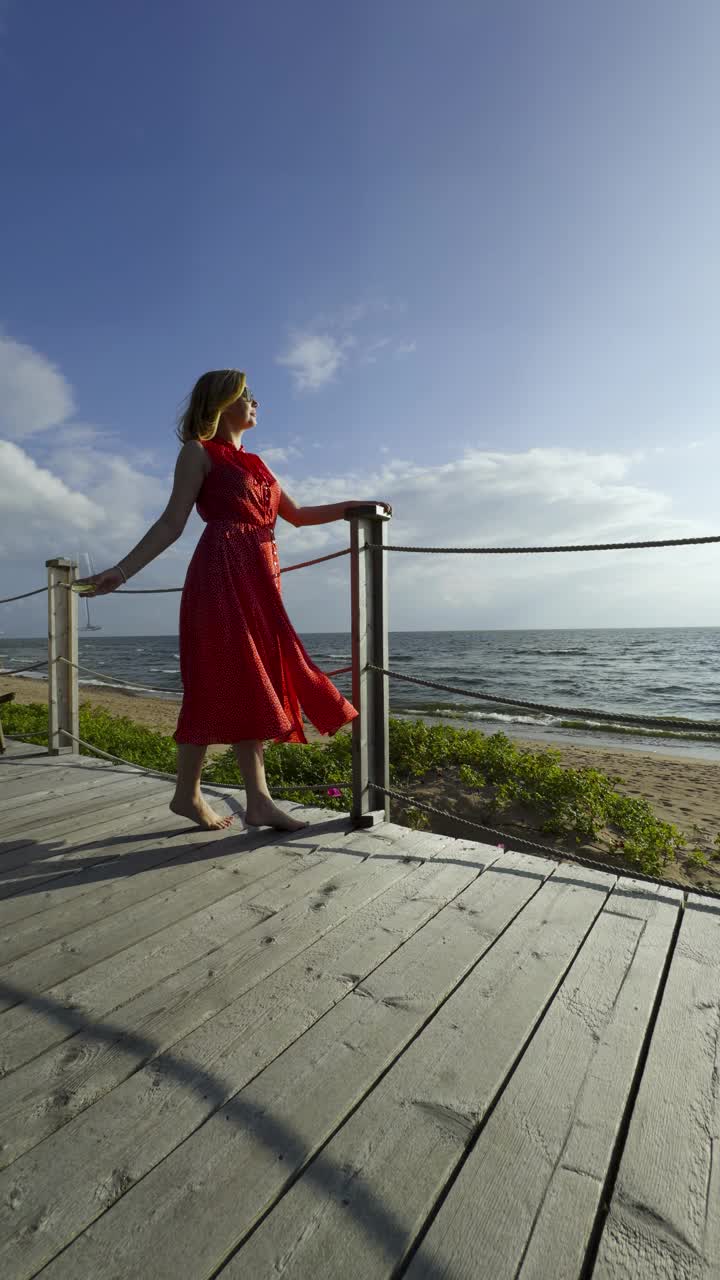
[(318, 560), (514, 551), (709, 727), (26, 737), (534, 846), (18, 671), (103, 675), (478, 551), (24, 596), (106, 678), (157, 591), (212, 787)]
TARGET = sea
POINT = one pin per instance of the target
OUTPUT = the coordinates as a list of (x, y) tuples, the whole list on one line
[(667, 672)]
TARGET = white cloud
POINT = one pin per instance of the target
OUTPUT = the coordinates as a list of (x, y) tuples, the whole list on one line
[(275, 455), (313, 359), (40, 510), (316, 353), (34, 394), (78, 495), (489, 498)]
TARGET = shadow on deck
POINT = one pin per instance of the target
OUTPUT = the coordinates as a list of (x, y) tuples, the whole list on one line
[(374, 1054)]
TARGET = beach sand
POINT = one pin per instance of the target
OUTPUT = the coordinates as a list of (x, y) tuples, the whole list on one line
[(679, 789)]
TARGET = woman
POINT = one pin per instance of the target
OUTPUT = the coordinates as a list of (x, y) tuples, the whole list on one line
[(245, 671)]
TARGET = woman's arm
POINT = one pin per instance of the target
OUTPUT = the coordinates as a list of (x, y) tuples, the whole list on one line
[(300, 516), (190, 472)]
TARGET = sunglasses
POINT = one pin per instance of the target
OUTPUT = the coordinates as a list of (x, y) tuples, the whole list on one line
[(247, 394)]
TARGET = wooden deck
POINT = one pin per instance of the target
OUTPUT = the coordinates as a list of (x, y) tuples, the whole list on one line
[(339, 1054)]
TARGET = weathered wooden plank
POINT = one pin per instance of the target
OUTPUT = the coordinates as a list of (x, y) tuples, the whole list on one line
[(17, 781), (51, 854), (98, 793), (43, 857), (377, 1176), (166, 862), (147, 1115), (111, 983), (17, 751), (525, 1201), (71, 821), (52, 783), (108, 817), (124, 859), (278, 1006), (273, 1124), (105, 865), (664, 1217), (107, 935), (50, 770), (53, 868)]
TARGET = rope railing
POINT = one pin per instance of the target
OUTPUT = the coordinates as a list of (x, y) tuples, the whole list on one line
[(515, 551), (23, 596), (478, 551), (371, 666), (27, 737), (215, 787), (109, 679), (156, 591), (18, 671), (534, 846), (708, 727), (303, 564)]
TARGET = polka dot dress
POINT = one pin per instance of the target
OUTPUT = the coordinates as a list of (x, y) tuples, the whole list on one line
[(245, 671)]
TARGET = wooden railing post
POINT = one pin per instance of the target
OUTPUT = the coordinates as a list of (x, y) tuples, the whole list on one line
[(368, 598), (62, 644)]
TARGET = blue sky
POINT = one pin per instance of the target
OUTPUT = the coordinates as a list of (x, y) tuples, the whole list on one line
[(464, 249)]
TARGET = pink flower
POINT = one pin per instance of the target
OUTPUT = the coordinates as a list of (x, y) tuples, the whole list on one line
[(333, 791)]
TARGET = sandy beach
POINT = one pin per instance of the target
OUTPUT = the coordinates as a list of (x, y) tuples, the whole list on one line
[(680, 789)]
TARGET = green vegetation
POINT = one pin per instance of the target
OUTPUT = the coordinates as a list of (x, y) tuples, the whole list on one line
[(529, 788)]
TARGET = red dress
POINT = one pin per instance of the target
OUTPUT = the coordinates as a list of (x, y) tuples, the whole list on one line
[(244, 669)]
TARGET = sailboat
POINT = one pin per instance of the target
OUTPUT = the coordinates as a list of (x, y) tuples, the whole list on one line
[(88, 625)]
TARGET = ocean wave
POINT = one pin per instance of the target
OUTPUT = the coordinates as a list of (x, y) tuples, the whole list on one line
[(666, 688), (549, 653), (133, 690), (26, 675), (492, 717)]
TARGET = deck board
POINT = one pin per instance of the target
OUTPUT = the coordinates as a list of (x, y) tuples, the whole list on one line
[(375, 1053), (547, 1146), (664, 1215)]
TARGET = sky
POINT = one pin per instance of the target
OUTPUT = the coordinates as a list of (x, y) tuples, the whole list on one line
[(464, 249)]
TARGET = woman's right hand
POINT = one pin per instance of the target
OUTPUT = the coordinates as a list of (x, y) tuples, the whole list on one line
[(100, 584)]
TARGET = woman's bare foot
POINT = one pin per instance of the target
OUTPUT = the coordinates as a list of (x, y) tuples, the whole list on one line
[(264, 813), (199, 811)]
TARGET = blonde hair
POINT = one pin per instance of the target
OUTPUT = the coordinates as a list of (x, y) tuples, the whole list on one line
[(212, 394)]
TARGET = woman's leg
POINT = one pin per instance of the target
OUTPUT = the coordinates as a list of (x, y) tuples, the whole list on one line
[(187, 801), (260, 811)]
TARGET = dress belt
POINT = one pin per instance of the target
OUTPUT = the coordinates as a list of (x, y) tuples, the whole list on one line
[(266, 532)]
